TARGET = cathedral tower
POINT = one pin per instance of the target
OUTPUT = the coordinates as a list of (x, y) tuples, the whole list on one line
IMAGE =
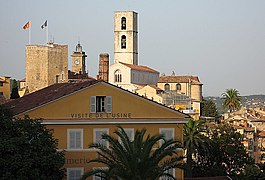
[(79, 60), (125, 37)]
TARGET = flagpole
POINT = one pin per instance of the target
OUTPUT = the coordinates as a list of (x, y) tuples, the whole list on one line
[(29, 32), (47, 34)]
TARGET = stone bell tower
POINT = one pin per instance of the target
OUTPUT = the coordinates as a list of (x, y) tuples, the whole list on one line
[(125, 37), (79, 60)]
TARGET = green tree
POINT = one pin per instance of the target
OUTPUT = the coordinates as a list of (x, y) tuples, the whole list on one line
[(226, 154), (208, 109), (28, 149), (138, 159), (14, 92), (232, 100), (193, 140)]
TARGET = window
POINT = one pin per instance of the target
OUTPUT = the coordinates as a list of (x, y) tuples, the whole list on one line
[(168, 133), (169, 171), (123, 42), (167, 87), (117, 76), (75, 138), (74, 173), (1, 83), (101, 174), (1, 93), (130, 133), (178, 87), (98, 136), (57, 79), (123, 23), (100, 104)]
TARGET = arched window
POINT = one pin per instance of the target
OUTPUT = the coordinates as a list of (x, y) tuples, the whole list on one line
[(178, 87), (123, 23), (167, 87), (117, 76), (123, 42)]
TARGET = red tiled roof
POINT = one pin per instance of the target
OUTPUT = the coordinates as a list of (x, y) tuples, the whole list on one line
[(156, 88), (22, 80), (140, 68), (54, 92), (180, 79), (45, 95)]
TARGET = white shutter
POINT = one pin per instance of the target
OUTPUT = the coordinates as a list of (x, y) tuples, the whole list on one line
[(109, 104), (92, 104)]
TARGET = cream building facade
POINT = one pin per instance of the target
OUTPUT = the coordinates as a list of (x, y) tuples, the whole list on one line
[(46, 65), (125, 72), (187, 90)]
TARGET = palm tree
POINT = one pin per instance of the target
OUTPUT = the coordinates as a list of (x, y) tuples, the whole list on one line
[(193, 140), (232, 100), (138, 159)]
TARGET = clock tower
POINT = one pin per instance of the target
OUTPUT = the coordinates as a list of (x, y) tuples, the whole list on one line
[(79, 60)]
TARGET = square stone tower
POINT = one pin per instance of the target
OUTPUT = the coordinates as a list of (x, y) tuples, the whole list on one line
[(125, 37), (46, 65)]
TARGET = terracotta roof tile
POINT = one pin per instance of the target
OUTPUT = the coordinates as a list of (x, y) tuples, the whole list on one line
[(180, 79), (45, 95), (22, 80), (140, 68), (156, 88), (56, 91)]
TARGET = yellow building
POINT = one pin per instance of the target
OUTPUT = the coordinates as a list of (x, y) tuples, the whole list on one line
[(80, 112), (5, 87)]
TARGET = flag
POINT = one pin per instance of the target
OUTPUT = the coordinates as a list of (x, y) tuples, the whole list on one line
[(27, 25), (45, 24)]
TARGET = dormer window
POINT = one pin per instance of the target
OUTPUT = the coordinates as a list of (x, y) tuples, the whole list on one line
[(123, 23), (123, 42)]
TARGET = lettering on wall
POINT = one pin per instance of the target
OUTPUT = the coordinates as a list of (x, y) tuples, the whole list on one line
[(101, 115), (83, 160)]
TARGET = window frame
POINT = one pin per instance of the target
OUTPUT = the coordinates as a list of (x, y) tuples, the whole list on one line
[(166, 129), (167, 85), (123, 23), (117, 76), (178, 87), (72, 169), (173, 174), (123, 42), (132, 133), (95, 136), (94, 177), (69, 138), (94, 106)]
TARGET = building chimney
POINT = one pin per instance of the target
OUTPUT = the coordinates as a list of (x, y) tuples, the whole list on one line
[(103, 72)]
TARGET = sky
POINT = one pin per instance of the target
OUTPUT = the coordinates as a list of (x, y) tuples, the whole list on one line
[(220, 41)]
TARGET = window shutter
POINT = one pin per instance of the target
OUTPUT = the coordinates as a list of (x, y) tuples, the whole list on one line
[(72, 140), (109, 104), (78, 140), (92, 104)]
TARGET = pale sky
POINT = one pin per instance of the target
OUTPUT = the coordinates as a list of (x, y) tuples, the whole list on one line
[(221, 41)]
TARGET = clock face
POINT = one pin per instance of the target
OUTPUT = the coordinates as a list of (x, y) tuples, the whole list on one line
[(76, 61)]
